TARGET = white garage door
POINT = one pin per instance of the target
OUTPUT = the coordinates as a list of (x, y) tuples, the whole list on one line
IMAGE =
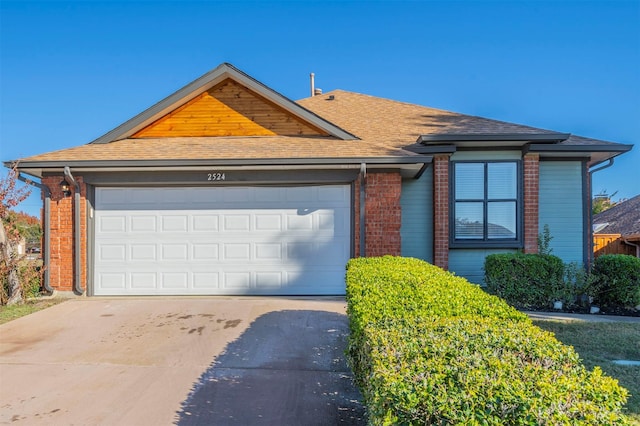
[(222, 240)]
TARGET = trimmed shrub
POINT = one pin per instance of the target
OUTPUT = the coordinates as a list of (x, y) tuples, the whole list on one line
[(617, 280), (525, 280), (427, 347)]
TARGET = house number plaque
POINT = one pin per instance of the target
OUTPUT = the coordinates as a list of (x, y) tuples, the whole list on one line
[(216, 176)]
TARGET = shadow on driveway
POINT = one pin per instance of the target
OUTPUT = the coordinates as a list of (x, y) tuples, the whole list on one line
[(287, 368)]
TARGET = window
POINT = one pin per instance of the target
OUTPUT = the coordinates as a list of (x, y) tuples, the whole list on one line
[(486, 204)]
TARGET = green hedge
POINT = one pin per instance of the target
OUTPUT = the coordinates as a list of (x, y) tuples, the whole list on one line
[(617, 280), (427, 347), (526, 280)]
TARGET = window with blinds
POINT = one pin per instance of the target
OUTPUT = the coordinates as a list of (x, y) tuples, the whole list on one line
[(485, 202)]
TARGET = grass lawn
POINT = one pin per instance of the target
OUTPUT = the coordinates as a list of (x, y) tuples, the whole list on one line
[(8, 313), (601, 343)]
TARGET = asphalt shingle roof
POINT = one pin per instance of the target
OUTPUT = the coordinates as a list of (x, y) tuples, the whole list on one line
[(384, 128), (623, 218)]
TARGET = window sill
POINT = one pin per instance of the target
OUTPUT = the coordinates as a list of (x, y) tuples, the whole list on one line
[(485, 244)]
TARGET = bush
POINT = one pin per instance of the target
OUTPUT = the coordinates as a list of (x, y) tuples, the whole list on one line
[(617, 280), (427, 347), (30, 275), (526, 280)]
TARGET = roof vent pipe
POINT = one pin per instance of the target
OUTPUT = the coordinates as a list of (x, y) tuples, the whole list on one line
[(317, 92), (313, 84)]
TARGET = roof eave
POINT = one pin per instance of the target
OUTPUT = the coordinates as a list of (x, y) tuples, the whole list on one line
[(39, 168), (593, 154)]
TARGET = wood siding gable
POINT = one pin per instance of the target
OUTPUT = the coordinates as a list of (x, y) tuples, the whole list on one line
[(228, 109)]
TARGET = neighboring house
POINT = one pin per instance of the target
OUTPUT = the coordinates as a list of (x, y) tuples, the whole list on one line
[(228, 187), (617, 229)]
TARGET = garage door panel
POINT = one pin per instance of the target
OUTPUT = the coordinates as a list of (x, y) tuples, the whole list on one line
[(143, 223), (143, 252), (111, 281), (112, 253), (143, 280), (235, 222), (205, 252), (174, 252), (115, 224), (174, 280), (268, 280), (268, 251), (205, 280), (205, 223), (223, 240), (237, 251), (175, 223), (267, 222), (237, 280)]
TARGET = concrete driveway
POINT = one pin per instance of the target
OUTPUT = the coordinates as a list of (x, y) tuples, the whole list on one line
[(185, 361)]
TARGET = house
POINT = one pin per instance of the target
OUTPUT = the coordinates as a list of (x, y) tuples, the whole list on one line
[(617, 229), (228, 187)]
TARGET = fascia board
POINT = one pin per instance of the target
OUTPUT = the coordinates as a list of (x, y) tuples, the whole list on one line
[(431, 149), (414, 159), (618, 148), (498, 137)]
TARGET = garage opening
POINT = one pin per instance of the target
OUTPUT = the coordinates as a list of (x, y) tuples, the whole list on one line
[(222, 240)]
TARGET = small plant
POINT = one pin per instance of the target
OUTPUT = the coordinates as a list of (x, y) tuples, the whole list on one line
[(579, 284), (544, 241)]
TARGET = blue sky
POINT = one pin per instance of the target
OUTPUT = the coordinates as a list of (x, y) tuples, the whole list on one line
[(71, 71)]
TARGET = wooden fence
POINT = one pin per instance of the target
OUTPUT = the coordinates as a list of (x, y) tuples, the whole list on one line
[(610, 244)]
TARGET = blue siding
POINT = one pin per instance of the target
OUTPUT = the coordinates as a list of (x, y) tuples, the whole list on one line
[(469, 263), (416, 231), (561, 207)]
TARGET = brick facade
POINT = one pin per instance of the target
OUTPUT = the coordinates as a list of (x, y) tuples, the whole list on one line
[(531, 189), (441, 211), (383, 214), (61, 236)]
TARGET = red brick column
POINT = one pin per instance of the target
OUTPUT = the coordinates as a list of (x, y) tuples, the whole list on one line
[(441, 211), (383, 214), (531, 199), (61, 237)]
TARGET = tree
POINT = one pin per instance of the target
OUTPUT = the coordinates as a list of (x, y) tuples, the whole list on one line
[(10, 197), (602, 202)]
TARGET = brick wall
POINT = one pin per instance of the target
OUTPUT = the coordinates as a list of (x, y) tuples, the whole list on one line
[(441, 211), (383, 214), (61, 237), (531, 202)]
